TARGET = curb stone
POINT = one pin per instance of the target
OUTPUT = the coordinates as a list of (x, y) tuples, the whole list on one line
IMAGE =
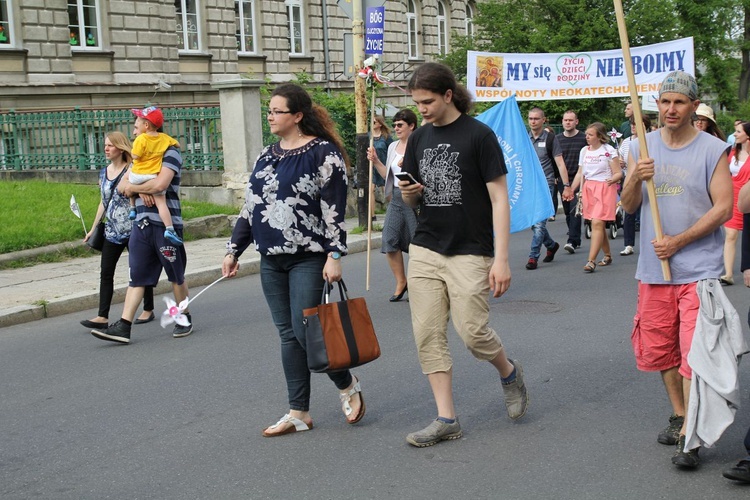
[(86, 296)]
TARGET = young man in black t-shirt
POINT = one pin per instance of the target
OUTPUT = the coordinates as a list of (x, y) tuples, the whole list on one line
[(454, 262), (571, 142)]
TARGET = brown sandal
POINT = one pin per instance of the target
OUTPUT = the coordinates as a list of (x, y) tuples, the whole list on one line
[(607, 260), (590, 266)]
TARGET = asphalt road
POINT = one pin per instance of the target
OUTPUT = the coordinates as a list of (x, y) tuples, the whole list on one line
[(181, 418)]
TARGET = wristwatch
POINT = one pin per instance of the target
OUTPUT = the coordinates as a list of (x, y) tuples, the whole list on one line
[(566, 184), (335, 255)]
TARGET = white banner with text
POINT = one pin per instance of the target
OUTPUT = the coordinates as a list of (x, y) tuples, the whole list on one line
[(495, 76)]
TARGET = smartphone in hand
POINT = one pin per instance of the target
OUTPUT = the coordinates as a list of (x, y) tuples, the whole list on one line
[(405, 176)]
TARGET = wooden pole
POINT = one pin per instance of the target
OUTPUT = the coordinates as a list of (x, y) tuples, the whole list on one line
[(370, 200), (650, 188)]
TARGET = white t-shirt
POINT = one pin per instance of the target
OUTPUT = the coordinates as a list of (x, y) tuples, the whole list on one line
[(396, 166), (595, 163), (625, 152), (625, 148)]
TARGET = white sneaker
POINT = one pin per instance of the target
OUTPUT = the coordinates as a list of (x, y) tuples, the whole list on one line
[(628, 251), (569, 248)]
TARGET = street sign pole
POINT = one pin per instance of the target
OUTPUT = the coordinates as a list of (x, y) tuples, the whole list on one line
[(360, 107), (374, 36)]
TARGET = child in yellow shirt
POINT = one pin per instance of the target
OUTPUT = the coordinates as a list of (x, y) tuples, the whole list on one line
[(148, 149)]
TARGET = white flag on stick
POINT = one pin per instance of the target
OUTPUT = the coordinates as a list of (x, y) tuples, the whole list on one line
[(77, 211), (74, 206)]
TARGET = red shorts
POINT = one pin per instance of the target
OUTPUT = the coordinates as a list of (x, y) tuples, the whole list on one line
[(663, 326)]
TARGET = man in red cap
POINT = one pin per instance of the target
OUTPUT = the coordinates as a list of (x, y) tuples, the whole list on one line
[(149, 250)]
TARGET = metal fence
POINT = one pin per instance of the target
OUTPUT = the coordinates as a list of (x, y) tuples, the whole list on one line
[(65, 140)]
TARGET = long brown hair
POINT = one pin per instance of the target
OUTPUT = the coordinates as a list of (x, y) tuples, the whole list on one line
[(738, 147), (385, 130), (316, 121), (438, 78), (121, 142)]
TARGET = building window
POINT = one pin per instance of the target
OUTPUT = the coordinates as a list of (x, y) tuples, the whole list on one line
[(469, 21), (83, 19), (244, 15), (296, 27), (442, 29), (187, 24), (6, 24), (412, 30)]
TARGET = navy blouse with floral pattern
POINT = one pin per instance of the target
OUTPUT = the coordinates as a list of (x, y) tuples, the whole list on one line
[(295, 202)]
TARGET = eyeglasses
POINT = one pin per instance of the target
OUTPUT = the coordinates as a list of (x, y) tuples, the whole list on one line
[(276, 112), (399, 124)]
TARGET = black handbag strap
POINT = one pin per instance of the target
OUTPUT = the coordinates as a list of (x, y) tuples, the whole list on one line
[(328, 289)]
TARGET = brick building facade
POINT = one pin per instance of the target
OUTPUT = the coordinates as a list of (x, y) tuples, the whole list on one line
[(58, 54)]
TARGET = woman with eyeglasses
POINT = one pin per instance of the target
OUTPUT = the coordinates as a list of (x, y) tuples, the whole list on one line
[(400, 220), (294, 213), (704, 121)]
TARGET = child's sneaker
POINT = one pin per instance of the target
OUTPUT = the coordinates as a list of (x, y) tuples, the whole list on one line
[(170, 235), (132, 214)]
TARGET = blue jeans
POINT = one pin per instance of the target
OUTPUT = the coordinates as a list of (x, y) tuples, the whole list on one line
[(541, 235), (292, 283)]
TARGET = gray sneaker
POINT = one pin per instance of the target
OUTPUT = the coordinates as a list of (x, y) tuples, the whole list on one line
[(434, 433), (516, 397)]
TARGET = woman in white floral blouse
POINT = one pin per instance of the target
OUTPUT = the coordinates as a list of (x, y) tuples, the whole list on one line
[(294, 213)]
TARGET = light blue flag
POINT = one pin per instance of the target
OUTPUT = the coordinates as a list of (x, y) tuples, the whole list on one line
[(528, 192)]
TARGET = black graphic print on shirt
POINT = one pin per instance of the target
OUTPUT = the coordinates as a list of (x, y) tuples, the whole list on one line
[(441, 176)]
